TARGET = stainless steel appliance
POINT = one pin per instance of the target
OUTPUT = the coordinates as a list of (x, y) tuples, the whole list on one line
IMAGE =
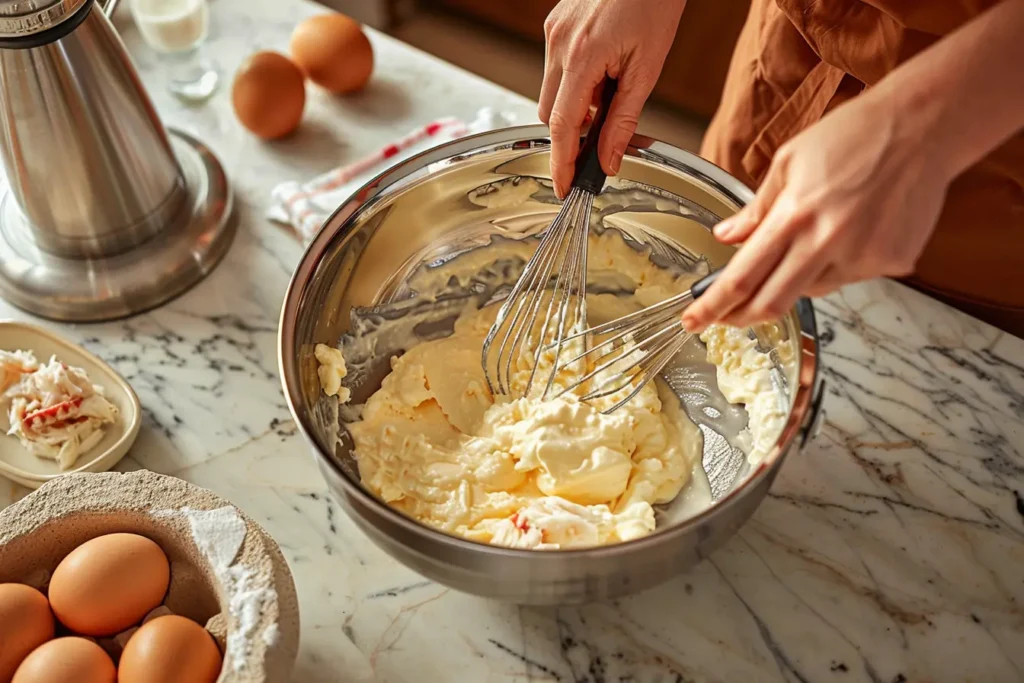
[(103, 213), (441, 204)]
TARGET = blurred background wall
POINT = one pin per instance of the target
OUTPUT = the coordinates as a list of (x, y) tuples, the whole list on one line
[(503, 41)]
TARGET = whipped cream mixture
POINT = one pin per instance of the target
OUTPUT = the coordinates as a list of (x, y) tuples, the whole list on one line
[(331, 371), (525, 473), (745, 377), (435, 444), (55, 410)]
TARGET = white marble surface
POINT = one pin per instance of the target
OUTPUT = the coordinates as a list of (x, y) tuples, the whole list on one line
[(892, 549)]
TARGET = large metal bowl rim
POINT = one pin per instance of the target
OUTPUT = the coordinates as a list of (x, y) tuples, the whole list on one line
[(387, 183)]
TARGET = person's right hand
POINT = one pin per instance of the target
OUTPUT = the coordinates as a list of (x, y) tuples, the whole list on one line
[(586, 41)]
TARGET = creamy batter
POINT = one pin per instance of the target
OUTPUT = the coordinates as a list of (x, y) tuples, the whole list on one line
[(331, 370), (745, 377), (435, 444)]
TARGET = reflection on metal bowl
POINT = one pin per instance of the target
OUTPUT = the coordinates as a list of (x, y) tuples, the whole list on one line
[(467, 195)]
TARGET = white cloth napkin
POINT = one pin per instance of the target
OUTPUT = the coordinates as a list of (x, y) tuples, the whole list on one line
[(306, 205)]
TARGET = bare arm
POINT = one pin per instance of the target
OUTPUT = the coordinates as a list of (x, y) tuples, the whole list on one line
[(858, 194)]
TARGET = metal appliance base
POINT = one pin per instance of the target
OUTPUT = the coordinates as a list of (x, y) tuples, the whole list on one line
[(163, 267)]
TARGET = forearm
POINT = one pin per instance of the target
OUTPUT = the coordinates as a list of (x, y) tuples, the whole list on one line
[(963, 96)]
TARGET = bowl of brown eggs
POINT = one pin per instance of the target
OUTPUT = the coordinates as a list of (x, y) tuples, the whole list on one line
[(140, 578)]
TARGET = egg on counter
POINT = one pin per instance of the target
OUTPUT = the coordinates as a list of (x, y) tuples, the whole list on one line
[(268, 95), (334, 52), (109, 583), (25, 623), (170, 649), (67, 659)]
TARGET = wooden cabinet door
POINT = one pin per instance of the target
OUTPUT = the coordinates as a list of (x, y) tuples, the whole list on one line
[(524, 18), (697, 64), (695, 70)]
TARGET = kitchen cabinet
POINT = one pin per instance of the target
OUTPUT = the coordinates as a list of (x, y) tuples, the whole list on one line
[(695, 70)]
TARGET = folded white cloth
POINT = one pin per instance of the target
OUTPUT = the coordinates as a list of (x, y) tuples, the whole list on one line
[(306, 205)]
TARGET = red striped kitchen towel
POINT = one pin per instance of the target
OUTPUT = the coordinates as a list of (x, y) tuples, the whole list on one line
[(305, 206)]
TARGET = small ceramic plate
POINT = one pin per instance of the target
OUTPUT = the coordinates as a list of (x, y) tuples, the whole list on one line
[(21, 466)]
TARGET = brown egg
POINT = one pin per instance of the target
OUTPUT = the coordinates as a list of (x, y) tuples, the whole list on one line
[(269, 95), (170, 649), (108, 584), (333, 52), (25, 623), (64, 660)]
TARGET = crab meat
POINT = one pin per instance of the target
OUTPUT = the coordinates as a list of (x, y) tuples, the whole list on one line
[(520, 523), (62, 412), (55, 411)]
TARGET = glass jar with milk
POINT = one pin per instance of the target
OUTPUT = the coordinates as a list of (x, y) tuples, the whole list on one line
[(176, 30)]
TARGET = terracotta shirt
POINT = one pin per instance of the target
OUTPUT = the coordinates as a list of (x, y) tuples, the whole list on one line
[(797, 59)]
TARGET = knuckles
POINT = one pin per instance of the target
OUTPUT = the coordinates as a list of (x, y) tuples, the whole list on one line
[(553, 26), (763, 312), (642, 77), (627, 122), (782, 158), (825, 236), (558, 124), (578, 51), (737, 287)]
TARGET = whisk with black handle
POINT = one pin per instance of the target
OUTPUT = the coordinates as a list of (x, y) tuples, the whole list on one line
[(548, 301)]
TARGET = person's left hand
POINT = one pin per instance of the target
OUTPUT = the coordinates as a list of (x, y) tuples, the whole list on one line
[(853, 197)]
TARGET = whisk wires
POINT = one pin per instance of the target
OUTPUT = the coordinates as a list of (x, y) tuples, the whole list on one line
[(548, 301), (632, 350), (546, 305), (640, 346)]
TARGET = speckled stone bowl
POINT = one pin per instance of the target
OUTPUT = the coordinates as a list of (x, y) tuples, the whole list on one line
[(211, 573)]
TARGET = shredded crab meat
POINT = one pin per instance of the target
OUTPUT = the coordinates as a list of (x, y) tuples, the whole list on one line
[(14, 365), (55, 410)]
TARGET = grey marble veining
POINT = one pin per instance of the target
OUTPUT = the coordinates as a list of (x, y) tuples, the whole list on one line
[(892, 549)]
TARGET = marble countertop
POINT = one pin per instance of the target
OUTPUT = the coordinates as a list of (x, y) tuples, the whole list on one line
[(891, 549)]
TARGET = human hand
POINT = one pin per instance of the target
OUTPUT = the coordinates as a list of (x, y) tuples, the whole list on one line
[(853, 197), (586, 41)]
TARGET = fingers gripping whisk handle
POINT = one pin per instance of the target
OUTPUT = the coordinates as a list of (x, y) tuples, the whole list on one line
[(702, 285), (589, 174)]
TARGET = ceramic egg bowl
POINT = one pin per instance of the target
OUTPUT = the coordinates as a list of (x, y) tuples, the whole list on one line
[(220, 559)]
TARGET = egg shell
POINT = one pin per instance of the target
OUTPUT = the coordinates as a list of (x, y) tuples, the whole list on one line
[(334, 52), (64, 660), (268, 95), (25, 623), (170, 649), (109, 583)]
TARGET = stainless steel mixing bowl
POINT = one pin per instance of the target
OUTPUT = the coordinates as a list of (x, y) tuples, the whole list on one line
[(460, 197)]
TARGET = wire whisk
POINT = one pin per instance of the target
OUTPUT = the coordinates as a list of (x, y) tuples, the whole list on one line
[(640, 345), (548, 301)]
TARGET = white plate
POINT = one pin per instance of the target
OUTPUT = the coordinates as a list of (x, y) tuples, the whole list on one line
[(28, 470)]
